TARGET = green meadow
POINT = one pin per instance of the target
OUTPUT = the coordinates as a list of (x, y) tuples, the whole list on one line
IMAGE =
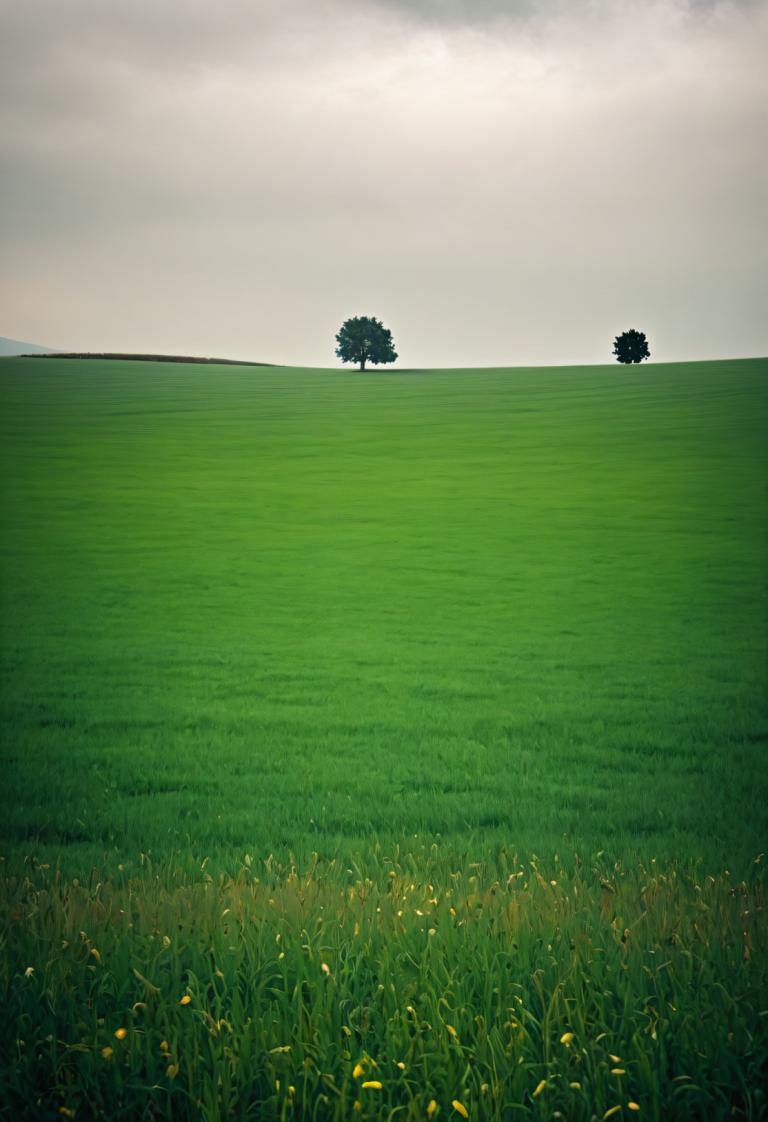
[(411, 724)]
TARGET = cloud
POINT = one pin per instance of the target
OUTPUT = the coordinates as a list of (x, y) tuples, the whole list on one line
[(469, 12), (479, 13), (236, 178)]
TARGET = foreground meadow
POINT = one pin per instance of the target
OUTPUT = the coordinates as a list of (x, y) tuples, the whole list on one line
[(301, 672)]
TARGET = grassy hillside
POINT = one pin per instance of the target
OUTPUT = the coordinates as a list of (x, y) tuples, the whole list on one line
[(300, 670), (289, 609)]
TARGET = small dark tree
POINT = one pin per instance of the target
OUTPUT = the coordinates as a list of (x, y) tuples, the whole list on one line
[(365, 339), (631, 346)]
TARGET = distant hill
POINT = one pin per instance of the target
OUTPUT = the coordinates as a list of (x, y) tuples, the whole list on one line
[(15, 347), (122, 356)]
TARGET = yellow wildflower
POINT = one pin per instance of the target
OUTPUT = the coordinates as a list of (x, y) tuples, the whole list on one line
[(107, 1053), (325, 968), (357, 1105), (613, 1110), (431, 1108), (121, 1033), (164, 1046), (358, 1071), (372, 1084), (95, 954), (566, 1038), (460, 1108), (616, 1059), (185, 1000), (633, 1106), (575, 1086), (451, 1030), (172, 1071), (618, 1071), (539, 1089), (401, 1065)]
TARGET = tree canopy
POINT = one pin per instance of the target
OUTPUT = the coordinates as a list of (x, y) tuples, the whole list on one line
[(631, 346), (365, 339)]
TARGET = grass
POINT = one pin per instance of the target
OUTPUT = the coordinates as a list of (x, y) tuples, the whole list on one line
[(279, 993), (284, 624)]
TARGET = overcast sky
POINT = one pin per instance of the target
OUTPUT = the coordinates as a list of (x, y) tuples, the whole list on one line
[(500, 181)]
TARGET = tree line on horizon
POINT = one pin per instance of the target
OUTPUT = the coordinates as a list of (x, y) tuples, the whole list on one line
[(363, 339)]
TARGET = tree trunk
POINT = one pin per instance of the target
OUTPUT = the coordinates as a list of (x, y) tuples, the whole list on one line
[(362, 363)]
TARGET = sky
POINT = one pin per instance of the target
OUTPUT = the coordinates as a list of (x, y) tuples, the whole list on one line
[(501, 182)]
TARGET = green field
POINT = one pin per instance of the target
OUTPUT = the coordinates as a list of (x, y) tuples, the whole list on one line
[(305, 644)]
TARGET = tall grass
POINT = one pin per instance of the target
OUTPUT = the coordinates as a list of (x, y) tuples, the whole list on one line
[(506, 987)]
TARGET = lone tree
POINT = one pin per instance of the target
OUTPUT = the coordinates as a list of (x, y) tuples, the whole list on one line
[(631, 346), (365, 339)]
